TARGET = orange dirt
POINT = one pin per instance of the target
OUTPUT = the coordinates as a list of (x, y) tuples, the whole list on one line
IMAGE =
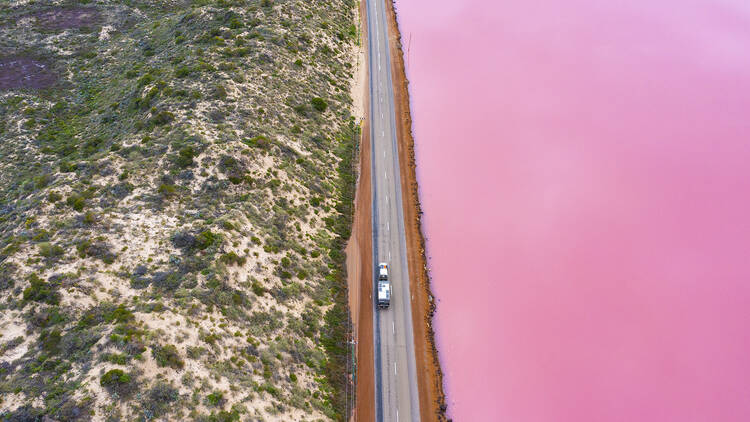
[(359, 268), (430, 377)]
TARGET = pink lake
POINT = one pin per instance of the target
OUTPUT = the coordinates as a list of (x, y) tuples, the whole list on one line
[(584, 168)]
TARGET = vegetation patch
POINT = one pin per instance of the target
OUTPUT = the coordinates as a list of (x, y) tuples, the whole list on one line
[(168, 356), (58, 18), (23, 72)]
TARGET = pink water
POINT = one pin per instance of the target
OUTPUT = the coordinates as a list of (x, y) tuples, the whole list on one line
[(585, 173)]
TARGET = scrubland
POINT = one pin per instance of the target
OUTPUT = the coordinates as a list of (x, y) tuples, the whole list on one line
[(176, 185)]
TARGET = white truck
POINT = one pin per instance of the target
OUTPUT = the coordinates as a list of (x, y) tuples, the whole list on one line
[(384, 286)]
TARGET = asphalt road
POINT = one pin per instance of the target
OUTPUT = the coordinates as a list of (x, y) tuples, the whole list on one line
[(397, 397)]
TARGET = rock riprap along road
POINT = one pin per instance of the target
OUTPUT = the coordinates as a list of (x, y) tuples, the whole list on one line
[(396, 391)]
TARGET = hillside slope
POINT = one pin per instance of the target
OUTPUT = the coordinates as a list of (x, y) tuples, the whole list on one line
[(176, 186)]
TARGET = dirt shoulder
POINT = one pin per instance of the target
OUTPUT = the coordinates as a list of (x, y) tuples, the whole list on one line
[(359, 254), (430, 377)]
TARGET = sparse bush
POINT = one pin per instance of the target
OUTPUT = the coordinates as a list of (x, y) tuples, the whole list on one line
[(158, 399), (258, 289), (232, 168), (161, 118), (183, 71), (166, 280), (259, 141), (118, 381), (116, 358), (219, 92), (215, 399), (76, 202), (89, 218), (206, 239), (49, 250), (167, 189), (183, 240), (119, 315), (53, 197), (100, 250), (231, 258), (42, 181), (50, 341), (184, 158), (40, 291), (7, 280), (319, 104), (167, 356)]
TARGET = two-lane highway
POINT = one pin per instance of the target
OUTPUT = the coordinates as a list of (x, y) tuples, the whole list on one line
[(397, 397)]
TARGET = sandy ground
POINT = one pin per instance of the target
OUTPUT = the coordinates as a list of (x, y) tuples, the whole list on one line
[(430, 377)]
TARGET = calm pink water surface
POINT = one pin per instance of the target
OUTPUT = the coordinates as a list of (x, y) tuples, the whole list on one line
[(585, 174)]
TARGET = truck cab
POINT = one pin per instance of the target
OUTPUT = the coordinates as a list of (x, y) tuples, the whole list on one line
[(384, 286)]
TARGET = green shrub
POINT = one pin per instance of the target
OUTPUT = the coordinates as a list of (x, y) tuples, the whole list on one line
[(185, 157), (75, 201), (219, 92), (205, 239), (119, 315), (114, 378), (161, 118), (167, 356), (259, 141), (116, 358), (67, 167), (41, 236), (183, 71), (53, 197), (215, 399), (167, 189), (89, 218), (40, 291), (258, 289), (50, 341), (48, 250), (91, 146), (319, 104), (42, 181), (100, 250), (231, 258), (158, 399)]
